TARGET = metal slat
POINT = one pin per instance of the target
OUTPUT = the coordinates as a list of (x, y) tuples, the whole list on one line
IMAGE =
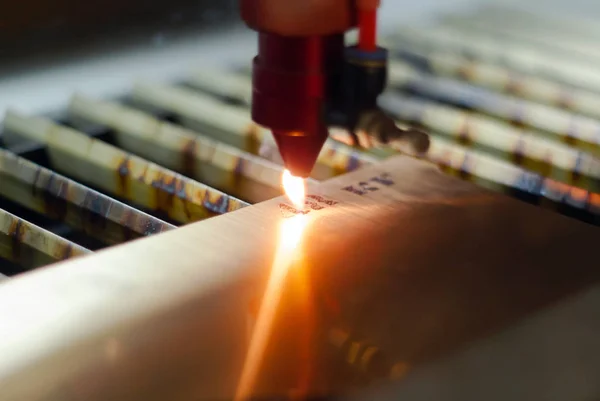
[(548, 42), (48, 193), (222, 166), (230, 85), (489, 172), (234, 126), (211, 117), (497, 77), (522, 147), (122, 174), (31, 246), (580, 131), (541, 20), (525, 59)]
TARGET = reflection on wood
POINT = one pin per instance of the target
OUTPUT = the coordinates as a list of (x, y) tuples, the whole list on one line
[(402, 249)]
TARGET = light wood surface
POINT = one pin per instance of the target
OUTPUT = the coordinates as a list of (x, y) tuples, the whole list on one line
[(419, 265)]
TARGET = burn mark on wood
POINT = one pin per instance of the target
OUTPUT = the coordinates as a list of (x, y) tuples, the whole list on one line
[(55, 203), (518, 154), (252, 138), (189, 157), (465, 170), (514, 86), (220, 205), (546, 165), (464, 132), (570, 137), (288, 211), (565, 100), (123, 175), (67, 252), (465, 71), (95, 211), (180, 192), (129, 222), (16, 233)]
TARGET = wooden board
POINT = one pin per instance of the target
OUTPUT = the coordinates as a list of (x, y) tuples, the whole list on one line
[(407, 259)]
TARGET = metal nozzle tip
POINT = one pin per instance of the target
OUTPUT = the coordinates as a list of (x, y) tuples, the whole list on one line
[(300, 152)]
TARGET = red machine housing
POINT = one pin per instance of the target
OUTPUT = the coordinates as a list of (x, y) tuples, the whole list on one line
[(290, 89)]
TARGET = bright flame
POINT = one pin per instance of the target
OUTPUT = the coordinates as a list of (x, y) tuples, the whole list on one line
[(290, 236), (291, 233), (294, 189)]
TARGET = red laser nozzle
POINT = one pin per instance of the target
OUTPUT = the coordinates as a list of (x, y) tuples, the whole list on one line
[(289, 93)]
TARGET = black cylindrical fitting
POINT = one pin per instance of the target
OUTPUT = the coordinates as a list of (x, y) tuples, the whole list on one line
[(361, 81)]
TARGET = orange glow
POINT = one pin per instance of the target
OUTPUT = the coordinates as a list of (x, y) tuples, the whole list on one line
[(290, 236), (291, 233), (294, 189)]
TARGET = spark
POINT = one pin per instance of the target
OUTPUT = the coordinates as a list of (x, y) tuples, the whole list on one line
[(290, 236), (294, 188)]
